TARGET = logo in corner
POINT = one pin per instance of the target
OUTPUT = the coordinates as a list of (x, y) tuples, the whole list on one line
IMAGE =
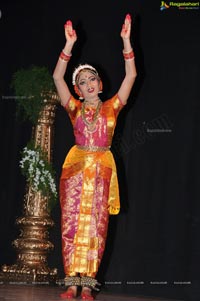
[(179, 5), (164, 6)]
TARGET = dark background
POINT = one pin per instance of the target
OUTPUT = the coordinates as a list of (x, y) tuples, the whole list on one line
[(156, 236)]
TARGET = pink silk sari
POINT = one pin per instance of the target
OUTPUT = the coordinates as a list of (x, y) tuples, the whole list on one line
[(88, 189)]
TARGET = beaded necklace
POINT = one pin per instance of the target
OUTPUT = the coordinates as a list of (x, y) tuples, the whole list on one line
[(91, 125)]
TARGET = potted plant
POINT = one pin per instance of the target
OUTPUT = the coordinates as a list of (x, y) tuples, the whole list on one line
[(36, 100)]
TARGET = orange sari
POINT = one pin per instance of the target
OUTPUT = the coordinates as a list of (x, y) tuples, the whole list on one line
[(88, 188)]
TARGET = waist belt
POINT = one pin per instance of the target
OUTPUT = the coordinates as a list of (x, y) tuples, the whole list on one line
[(93, 148)]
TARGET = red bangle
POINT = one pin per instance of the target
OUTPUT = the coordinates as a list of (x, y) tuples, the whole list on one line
[(128, 55), (65, 57)]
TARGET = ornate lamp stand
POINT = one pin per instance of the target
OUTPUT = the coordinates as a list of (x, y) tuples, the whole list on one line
[(33, 245)]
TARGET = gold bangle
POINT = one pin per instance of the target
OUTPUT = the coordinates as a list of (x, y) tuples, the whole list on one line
[(66, 53), (126, 52)]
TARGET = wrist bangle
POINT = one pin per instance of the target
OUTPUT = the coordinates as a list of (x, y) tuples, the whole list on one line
[(66, 53), (125, 52), (128, 55), (65, 57)]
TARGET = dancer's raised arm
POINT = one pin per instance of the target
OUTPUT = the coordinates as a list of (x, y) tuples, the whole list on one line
[(63, 60), (130, 69)]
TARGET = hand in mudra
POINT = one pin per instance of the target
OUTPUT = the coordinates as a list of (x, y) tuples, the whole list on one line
[(126, 28), (70, 33)]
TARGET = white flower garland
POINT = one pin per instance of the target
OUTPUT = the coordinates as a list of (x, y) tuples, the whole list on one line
[(38, 171)]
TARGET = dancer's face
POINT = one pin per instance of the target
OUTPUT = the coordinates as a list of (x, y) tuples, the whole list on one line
[(88, 85)]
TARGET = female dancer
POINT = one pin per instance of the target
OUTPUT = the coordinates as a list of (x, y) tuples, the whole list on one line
[(88, 184)]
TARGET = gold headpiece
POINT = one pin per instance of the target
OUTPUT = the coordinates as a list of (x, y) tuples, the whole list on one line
[(80, 68)]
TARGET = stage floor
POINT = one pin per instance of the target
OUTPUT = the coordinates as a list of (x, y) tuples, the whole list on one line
[(11, 292)]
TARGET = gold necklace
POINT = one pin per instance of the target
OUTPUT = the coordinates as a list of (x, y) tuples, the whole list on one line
[(91, 125)]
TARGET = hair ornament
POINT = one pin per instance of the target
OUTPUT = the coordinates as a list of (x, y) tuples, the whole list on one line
[(79, 69)]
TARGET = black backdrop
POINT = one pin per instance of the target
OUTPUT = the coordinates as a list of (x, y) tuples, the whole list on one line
[(154, 241)]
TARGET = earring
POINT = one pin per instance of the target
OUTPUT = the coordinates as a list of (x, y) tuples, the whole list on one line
[(78, 92), (100, 87)]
